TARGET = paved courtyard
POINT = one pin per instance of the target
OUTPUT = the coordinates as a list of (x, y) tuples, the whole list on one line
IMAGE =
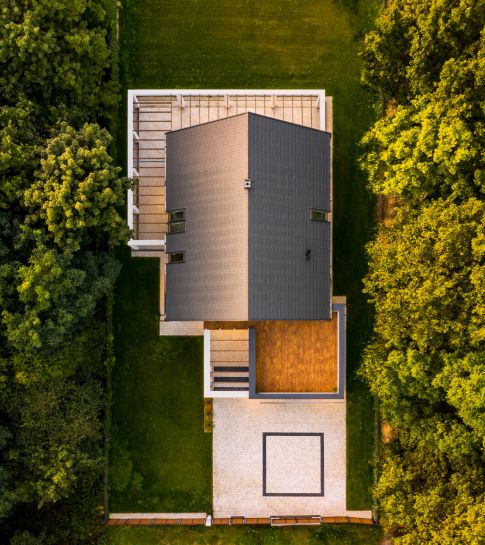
[(275, 458)]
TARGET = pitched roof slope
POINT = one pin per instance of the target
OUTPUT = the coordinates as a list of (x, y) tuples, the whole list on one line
[(288, 165), (246, 250)]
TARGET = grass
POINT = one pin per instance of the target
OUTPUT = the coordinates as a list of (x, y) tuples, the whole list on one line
[(237, 44), (244, 535), (160, 455)]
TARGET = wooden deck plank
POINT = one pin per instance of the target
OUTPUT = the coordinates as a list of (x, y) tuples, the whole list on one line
[(144, 200), (158, 209), (152, 233), (155, 217), (145, 189)]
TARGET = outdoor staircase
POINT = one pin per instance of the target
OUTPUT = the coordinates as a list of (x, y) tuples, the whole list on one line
[(230, 360)]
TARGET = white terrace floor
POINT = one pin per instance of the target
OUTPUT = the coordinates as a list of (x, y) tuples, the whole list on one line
[(276, 458)]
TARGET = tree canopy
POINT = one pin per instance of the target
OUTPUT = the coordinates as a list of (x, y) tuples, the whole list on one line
[(77, 190), (426, 363), (57, 54), (60, 197)]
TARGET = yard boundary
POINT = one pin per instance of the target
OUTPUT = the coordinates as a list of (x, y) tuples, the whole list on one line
[(203, 519)]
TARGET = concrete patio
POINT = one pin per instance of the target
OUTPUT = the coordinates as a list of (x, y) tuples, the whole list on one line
[(276, 458)]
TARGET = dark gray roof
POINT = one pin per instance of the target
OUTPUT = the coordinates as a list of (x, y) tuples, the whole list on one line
[(245, 249)]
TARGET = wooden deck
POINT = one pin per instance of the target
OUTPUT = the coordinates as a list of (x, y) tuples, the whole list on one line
[(296, 356), (152, 118), (293, 356)]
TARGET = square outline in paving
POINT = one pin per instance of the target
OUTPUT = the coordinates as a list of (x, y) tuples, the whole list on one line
[(283, 434)]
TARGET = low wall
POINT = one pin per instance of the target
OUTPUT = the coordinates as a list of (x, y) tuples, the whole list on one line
[(202, 519)]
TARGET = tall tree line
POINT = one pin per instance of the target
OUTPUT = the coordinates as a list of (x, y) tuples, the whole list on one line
[(426, 363), (59, 198)]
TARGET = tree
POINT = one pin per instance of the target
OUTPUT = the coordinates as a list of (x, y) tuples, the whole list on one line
[(422, 504), (57, 267), (57, 54), (58, 438), (19, 151), (58, 292), (426, 268), (78, 191), (427, 368), (431, 147), (422, 277), (413, 40)]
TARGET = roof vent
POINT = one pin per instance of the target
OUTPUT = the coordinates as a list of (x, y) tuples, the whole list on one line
[(247, 183)]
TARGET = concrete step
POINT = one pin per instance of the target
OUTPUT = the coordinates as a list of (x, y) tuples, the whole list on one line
[(229, 345), (231, 369), (182, 329), (229, 334), (223, 374), (231, 379), (228, 388)]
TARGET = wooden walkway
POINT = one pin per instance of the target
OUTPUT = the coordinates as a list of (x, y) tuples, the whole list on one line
[(152, 119)]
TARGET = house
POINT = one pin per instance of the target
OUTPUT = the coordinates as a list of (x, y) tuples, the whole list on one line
[(235, 198), (248, 199)]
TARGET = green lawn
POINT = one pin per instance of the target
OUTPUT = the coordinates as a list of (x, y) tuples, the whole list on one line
[(235, 44), (241, 535), (160, 455)]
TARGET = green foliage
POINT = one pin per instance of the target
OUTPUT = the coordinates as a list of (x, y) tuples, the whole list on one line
[(27, 538), (427, 368), (58, 438), (19, 147), (54, 404), (59, 225), (430, 146), (57, 292), (415, 40), (422, 278), (78, 191), (426, 364), (57, 54), (428, 149)]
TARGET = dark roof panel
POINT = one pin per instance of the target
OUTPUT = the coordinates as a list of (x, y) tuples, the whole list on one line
[(206, 167), (246, 250), (289, 255)]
